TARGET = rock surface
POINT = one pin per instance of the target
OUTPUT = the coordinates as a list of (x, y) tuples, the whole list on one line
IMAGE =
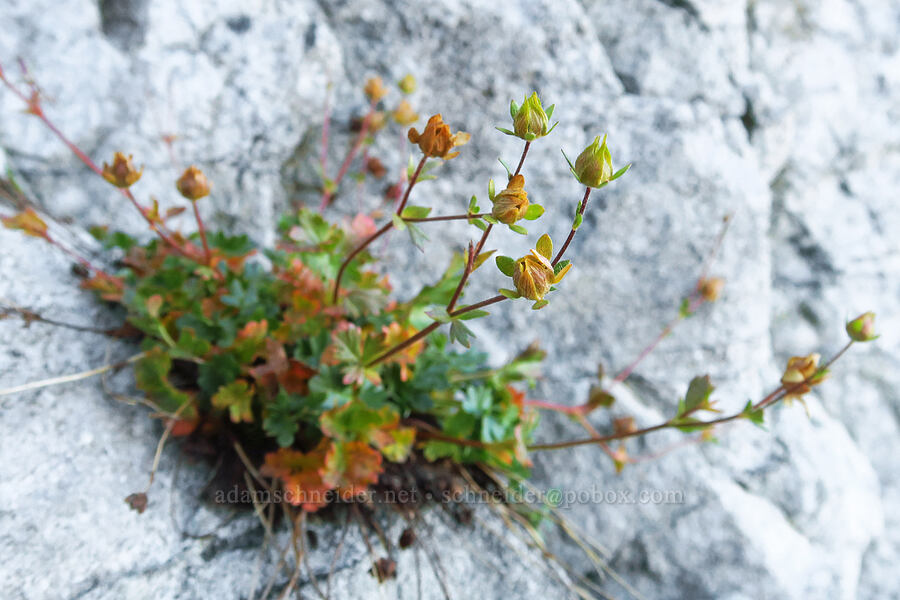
[(778, 112)]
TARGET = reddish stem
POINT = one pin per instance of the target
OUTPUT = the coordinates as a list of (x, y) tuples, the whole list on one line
[(202, 231), (695, 302), (328, 196), (581, 209), (384, 229)]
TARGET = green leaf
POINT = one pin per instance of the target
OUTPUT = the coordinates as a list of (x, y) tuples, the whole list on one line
[(439, 314), (416, 236), (399, 223), (620, 172), (491, 220), (473, 206), (511, 294), (544, 246), (755, 416), (237, 397), (560, 266), (571, 166), (506, 265), (697, 396), (533, 212), (549, 112), (491, 191), (472, 314), (415, 212), (151, 375), (513, 108), (479, 224), (504, 130), (506, 166), (540, 304), (579, 218), (518, 229), (460, 333), (684, 310)]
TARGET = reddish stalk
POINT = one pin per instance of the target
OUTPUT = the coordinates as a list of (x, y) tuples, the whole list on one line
[(384, 229), (81, 260), (470, 264), (328, 195), (581, 209), (35, 109), (447, 218), (202, 231), (695, 302), (771, 399)]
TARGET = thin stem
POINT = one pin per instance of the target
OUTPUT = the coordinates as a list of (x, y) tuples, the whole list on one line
[(581, 209), (446, 218), (695, 302), (34, 385), (35, 108), (328, 195), (384, 229), (470, 264), (202, 231), (81, 260), (772, 398), (424, 332), (522, 160)]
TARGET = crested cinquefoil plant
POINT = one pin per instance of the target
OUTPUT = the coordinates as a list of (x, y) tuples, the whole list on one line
[(312, 371)]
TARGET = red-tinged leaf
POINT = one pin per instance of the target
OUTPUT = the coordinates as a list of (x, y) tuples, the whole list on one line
[(184, 427), (106, 286), (249, 342), (266, 374), (395, 444), (154, 303), (295, 378), (137, 502), (351, 467), (28, 222), (301, 475), (174, 212)]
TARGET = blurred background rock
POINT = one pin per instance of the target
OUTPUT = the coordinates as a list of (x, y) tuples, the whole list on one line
[(783, 113)]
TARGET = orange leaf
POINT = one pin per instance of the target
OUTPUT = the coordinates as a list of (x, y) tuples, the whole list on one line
[(28, 222), (301, 475), (352, 467), (294, 379)]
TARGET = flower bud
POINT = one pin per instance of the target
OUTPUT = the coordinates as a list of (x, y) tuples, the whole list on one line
[(375, 89), (862, 328), (121, 173), (593, 167), (530, 121), (404, 113), (533, 276), (799, 374), (711, 287), (375, 167), (193, 184), (510, 204), (436, 141), (407, 85)]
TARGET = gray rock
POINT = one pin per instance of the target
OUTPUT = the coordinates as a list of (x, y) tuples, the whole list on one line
[(779, 113)]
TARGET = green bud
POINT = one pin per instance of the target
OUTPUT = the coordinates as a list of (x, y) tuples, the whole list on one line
[(530, 121), (862, 328), (593, 167)]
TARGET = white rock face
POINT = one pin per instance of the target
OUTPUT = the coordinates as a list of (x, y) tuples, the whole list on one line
[(782, 113)]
